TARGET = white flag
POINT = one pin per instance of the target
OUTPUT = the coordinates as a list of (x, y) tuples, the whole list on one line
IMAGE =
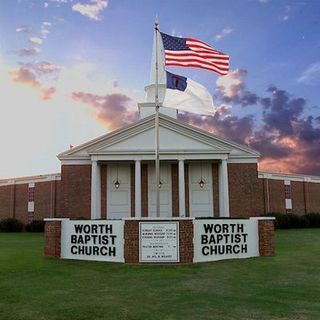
[(185, 94)]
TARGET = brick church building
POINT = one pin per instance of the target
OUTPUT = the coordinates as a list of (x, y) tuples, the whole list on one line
[(201, 175)]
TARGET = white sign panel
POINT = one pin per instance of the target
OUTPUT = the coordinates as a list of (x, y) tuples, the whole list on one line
[(159, 242), (225, 239), (100, 240)]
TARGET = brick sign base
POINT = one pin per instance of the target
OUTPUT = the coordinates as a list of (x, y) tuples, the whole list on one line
[(131, 238)]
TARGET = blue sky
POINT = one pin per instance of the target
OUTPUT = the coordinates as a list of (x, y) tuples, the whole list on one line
[(74, 69)]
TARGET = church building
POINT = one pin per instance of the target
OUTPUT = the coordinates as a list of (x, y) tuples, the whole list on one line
[(201, 175)]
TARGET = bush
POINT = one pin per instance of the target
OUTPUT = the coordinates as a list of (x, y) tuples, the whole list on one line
[(314, 220), (35, 226), (290, 221), (11, 225)]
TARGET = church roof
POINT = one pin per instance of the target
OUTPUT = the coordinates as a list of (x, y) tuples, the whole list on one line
[(176, 137)]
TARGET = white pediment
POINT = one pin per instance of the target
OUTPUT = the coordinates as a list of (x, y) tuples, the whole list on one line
[(169, 141), (175, 137)]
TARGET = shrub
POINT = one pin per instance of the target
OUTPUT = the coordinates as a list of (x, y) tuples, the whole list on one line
[(289, 220), (35, 226), (314, 219), (11, 225)]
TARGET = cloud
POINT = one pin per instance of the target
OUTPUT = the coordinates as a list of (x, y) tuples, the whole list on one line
[(224, 32), (223, 123), (45, 25), (46, 5), (35, 40), (27, 52), (114, 110), (232, 89), (91, 10), (287, 139), (311, 75), (22, 29), (33, 74)]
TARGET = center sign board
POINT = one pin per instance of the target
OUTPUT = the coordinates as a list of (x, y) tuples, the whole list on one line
[(159, 242)]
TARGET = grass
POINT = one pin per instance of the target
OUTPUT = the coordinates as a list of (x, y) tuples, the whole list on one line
[(286, 286)]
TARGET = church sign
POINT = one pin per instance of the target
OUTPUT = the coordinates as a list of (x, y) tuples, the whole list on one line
[(100, 240), (159, 241), (225, 239), (179, 240)]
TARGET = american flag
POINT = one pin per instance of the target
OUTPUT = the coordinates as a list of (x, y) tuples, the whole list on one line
[(188, 52)]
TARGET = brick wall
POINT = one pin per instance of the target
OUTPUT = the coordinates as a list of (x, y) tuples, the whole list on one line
[(76, 191), (6, 201), (245, 190), (314, 197), (44, 200), (131, 241), (276, 196), (266, 238), (52, 246), (21, 202), (298, 202)]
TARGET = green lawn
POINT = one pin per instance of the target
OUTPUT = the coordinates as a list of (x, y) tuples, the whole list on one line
[(286, 286)]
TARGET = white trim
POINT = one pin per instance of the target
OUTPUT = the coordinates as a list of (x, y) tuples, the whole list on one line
[(70, 162), (287, 176), (163, 156), (287, 182), (95, 191), (57, 219), (235, 159), (137, 174), (223, 189), (262, 218), (31, 179), (157, 218), (181, 187)]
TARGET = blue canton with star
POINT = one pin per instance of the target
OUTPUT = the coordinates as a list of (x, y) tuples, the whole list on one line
[(174, 43)]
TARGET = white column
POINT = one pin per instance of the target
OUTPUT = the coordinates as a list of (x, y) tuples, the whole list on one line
[(95, 190), (138, 188), (223, 189), (182, 194)]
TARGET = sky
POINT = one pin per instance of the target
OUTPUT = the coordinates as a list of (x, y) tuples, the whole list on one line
[(72, 70)]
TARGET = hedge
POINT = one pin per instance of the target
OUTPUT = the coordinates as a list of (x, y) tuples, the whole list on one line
[(291, 221), (11, 225)]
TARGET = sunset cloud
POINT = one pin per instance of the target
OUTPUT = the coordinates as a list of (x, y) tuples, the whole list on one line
[(287, 140), (114, 110), (33, 74), (232, 88)]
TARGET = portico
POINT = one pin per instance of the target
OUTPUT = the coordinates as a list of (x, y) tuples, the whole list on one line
[(194, 164)]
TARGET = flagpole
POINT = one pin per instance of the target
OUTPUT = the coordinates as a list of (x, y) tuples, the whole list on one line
[(157, 160)]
